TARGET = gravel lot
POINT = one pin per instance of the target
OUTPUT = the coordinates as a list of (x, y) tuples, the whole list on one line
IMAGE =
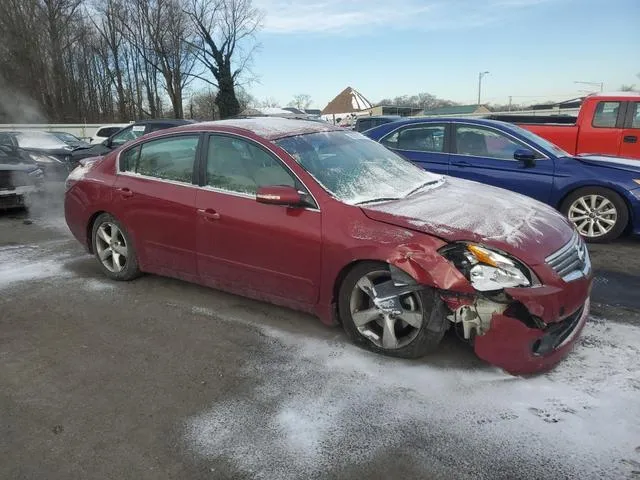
[(158, 378)]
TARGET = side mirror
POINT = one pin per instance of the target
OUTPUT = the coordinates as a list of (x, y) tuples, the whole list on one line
[(279, 195), (107, 143), (526, 156)]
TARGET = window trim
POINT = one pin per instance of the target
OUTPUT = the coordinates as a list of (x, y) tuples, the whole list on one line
[(196, 163), (454, 145), (446, 147), (621, 115), (628, 123), (268, 150)]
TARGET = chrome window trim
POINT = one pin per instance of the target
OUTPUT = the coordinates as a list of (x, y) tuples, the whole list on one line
[(513, 137), (198, 133)]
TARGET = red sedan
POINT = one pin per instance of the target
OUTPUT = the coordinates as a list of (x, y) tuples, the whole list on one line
[(310, 216)]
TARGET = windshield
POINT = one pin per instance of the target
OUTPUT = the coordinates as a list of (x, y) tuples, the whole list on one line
[(537, 140), (67, 137), (39, 140), (354, 168)]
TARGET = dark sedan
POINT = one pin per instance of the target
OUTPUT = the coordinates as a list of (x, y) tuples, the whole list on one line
[(599, 194), (51, 154)]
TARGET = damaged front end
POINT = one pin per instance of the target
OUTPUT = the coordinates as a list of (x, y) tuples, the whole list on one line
[(517, 319)]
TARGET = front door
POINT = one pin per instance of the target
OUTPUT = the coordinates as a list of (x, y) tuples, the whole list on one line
[(264, 250), (155, 198), (630, 146), (604, 133), (423, 144), (485, 155)]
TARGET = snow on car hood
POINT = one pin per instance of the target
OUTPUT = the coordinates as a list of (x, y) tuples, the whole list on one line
[(626, 164), (462, 210)]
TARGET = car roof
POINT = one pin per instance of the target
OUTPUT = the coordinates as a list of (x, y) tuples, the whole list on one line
[(270, 128), (478, 121), (380, 116), (163, 121)]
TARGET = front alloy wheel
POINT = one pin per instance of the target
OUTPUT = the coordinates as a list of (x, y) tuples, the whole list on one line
[(402, 321), (599, 214), (113, 248)]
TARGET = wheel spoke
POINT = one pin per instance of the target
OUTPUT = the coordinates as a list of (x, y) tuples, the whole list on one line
[(116, 262), (590, 233), (608, 221), (389, 339), (367, 287), (581, 217), (612, 211), (601, 228), (594, 200), (104, 254), (579, 211), (412, 318), (121, 249), (104, 236), (363, 317), (581, 227), (583, 204)]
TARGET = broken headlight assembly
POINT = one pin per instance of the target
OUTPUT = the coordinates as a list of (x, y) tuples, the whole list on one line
[(488, 270)]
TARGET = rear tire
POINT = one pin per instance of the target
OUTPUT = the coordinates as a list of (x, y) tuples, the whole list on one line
[(113, 248), (599, 214), (425, 311)]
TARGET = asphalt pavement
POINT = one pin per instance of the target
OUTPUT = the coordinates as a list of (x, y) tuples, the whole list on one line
[(158, 378)]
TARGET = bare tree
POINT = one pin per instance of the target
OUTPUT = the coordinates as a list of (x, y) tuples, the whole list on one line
[(301, 101), (224, 28), (202, 105), (269, 102)]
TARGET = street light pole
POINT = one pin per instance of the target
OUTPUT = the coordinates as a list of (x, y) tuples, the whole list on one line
[(480, 75)]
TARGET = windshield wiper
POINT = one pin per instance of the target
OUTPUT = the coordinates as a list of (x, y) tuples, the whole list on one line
[(421, 186), (373, 200)]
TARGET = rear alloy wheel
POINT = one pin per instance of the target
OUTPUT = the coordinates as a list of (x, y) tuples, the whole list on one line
[(113, 249), (599, 214), (396, 321)]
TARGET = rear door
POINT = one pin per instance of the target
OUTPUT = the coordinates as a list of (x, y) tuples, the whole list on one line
[(248, 246), (154, 196), (630, 146), (485, 154), (425, 144), (603, 132)]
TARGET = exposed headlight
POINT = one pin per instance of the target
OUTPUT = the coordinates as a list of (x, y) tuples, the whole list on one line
[(488, 270), (637, 180), (42, 158)]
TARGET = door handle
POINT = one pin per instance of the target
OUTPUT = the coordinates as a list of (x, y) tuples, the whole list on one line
[(125, 192), (630, 139), (208, 214), (461, 163)]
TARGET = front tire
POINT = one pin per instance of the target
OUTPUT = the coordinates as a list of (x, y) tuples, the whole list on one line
[(599, 214), (413, 333), (114, 249)]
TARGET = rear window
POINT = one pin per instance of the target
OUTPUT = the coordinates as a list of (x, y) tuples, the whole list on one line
[(107, 131), (606, 114)]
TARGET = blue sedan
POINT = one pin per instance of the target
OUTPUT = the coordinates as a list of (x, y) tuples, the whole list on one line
[(600, 195)]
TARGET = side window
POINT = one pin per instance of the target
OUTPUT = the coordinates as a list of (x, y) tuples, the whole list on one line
[(482, 142), (635, 115), (419, 138), (240, 166), (364, 124), (129, 159), (168, 158), (606, 114), (5, 139)]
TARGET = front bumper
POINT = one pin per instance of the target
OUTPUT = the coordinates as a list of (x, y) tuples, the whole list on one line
[(16, 197), (521, 350)]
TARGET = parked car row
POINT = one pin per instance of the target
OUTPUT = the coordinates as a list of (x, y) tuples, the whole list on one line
[(325, 220)]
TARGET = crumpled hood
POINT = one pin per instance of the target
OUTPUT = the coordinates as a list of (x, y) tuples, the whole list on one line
[(625, 164), (462, 210)]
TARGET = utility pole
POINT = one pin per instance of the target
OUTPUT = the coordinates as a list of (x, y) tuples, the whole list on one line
[(510, 98), (480, 75)]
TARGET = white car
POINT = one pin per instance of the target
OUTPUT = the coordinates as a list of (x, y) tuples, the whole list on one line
[(105, 131)]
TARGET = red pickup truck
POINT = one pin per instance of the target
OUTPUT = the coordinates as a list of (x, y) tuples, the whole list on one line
[(608, 123)]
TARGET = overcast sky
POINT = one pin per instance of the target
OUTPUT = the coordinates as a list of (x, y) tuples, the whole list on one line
[(533, 49)]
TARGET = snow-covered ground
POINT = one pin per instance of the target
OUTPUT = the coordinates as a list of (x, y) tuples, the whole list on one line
[(321, 406)]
